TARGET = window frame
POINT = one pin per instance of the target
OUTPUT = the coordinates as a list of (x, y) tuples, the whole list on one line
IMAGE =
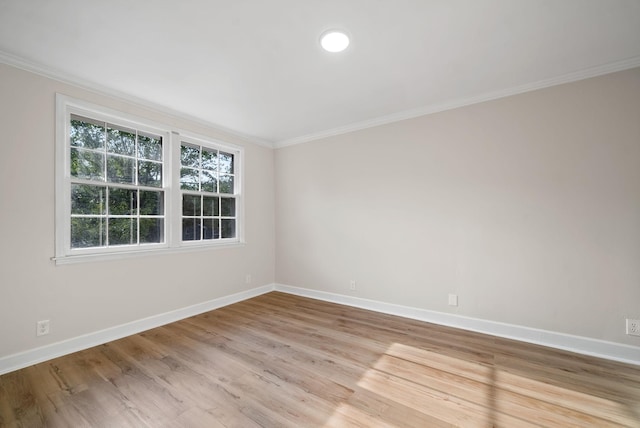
[(191, 141), (172, 139)]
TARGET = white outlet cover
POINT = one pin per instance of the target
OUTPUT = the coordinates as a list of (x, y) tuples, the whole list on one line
[(453, 300), (633, 327), (42, 327)]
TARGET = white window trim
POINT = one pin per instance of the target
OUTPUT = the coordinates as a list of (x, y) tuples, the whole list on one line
[(177, 196), (172, 138)]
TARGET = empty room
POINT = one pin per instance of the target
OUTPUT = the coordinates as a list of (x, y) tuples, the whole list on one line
[(358, 213)]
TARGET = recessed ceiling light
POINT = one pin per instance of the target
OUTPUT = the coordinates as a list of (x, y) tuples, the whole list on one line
[(334, 41)]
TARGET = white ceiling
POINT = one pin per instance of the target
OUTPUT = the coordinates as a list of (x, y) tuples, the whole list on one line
[(255, 67)]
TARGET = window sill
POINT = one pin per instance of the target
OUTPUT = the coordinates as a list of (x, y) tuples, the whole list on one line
[(83, 258)]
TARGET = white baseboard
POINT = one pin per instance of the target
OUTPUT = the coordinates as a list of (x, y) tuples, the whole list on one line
[(582, 345), (48, 352), (578, 344)]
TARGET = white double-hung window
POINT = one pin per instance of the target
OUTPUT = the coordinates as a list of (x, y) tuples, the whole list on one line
[(207, 182), (128, 186), (116, 192)]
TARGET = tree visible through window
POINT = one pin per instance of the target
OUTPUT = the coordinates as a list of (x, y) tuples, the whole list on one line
[(207, 178), (129, 185), (116, 185)]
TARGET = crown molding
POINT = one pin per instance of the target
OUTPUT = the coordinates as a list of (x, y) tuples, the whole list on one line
[(436, 108), (70, 79)]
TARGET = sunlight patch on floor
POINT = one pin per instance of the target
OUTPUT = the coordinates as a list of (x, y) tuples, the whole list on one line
[(348, 415), (466, 392)]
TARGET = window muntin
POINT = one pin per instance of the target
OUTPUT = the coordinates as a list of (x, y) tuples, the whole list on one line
[(119, 186), (207, 181), (116, 184)]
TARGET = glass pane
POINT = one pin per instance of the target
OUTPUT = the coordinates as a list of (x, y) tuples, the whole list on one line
[(86, 133), (190, 229), (87, 164), (190, 155), (191, 205), (120, 169), (149, 174), (123, 231), (151, 230), (122, 201), (88, 232), (228, 207), (226, 163), (209, 159), (87, 199), (189, 179), (121, 141), (149, 147), (151, 203), (210, 206), (210, 228), (209, 182), (226, 184), (228, 228)]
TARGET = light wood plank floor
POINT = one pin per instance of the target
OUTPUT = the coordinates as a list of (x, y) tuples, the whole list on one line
[(285, 361)]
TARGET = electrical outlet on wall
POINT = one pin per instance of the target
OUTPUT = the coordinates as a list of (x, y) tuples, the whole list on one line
[(633, 327), (42, 327), (352, 284), (453, 300)]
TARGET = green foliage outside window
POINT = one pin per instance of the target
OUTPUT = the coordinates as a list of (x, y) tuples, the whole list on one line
[(113, 172)]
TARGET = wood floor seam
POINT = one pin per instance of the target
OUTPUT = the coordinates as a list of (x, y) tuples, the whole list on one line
[(279, 360)]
